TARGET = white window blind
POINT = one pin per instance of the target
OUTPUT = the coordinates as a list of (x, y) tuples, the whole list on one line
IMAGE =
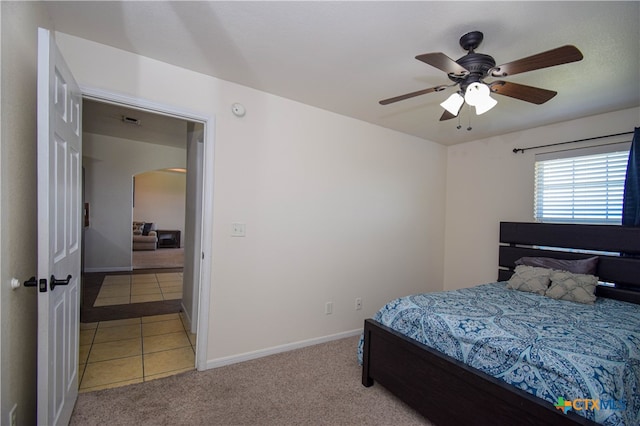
[(581, 186)]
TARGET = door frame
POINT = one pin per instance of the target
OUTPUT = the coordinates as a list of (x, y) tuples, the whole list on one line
[(206, 235)]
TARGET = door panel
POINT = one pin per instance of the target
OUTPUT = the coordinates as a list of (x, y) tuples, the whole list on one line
[(59, 212)]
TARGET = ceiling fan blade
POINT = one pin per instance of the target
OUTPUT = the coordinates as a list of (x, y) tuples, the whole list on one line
[(443, 62), (535, 95), (446, 115), (550, 58), (412, 95)]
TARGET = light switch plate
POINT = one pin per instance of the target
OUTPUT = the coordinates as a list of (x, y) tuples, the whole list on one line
[(238, 229)]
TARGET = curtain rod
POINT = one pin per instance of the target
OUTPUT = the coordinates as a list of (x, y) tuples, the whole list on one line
[(522, 150)]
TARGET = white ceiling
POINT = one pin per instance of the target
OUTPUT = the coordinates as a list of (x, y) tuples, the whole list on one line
[(107, 119), (346, 56)]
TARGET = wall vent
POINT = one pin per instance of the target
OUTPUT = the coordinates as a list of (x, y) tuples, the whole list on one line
[(130, 120)]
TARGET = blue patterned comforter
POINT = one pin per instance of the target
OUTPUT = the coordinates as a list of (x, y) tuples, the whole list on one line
[(550, 348)]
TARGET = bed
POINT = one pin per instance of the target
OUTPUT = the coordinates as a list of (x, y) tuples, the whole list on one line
[(449, 392)]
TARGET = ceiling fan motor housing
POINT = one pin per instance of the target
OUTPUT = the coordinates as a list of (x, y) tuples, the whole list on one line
[(478, 66)]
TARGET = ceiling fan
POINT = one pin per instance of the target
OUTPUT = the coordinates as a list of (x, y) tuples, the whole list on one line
[(470, 71)]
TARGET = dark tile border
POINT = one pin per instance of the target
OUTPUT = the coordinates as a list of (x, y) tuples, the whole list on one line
[(91, 283)]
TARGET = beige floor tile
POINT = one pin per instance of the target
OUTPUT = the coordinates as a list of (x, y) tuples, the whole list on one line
[(169, 276), (172, 283), (117, 323), (142, 298), (112, 334), (162, 327), (111, 279), (113, 350), (84, 353), (172, 296), (163, 342), (112, 371), (88, 325), (111, 385), (171, 288), (167, 374), (149, 284), (167, 348), (171, 360), (157, 318), (138, 291), (143, 278), (86, 336), (110, 301)]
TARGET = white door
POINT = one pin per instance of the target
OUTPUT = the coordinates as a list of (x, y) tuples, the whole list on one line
[(59, 185)]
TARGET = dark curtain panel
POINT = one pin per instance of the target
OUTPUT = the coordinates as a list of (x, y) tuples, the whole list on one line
[(631, 200)]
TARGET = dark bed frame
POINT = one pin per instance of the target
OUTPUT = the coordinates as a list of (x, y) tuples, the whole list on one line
[(448, 392)]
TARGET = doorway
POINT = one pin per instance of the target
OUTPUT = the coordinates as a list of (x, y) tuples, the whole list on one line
[(195, 271)]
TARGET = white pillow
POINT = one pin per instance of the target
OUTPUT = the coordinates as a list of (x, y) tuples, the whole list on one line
[(530, 278), (579, 288)]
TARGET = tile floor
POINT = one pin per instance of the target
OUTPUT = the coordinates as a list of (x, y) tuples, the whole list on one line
[(122, 352), (139, 288)]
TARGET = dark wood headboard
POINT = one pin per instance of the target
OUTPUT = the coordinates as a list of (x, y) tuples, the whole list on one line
[(620, 265)]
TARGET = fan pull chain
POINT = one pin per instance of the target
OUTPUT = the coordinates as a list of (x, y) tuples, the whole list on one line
[(469, 115)]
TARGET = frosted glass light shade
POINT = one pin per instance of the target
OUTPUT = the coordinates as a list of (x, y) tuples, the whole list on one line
[(485, 105), (453, 103), (475, 93)]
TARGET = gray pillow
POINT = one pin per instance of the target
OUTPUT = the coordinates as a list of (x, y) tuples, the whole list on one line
[(530, 279), (587, 266), (579, 288)]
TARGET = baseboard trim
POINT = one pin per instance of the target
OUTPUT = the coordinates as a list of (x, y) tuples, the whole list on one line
[(110, 269), (185, 313), (247, 356)]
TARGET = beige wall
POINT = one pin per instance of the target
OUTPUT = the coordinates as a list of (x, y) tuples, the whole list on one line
[(18, 224), (160, 198), (488, 183), (335, 208), (109, 166)]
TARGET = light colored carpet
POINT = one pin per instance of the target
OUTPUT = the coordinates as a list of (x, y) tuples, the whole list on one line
[(317, 385), (160, 258)]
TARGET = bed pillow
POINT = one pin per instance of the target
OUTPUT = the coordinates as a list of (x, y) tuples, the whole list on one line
[(530, 279), (579, 288), (587, 266)]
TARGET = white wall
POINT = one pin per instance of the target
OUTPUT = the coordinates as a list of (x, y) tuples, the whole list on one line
[(488, 183), (334, 208), (110, 164), (160, 198), (18, 223)]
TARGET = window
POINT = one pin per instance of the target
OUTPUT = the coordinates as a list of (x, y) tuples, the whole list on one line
[(581, 186)]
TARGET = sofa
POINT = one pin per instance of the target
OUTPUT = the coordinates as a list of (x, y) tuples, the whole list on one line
[(144, 236)]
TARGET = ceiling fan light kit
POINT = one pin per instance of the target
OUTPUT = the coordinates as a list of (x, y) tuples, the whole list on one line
[(485, 105), (470, 71), (453, 103), (477, 95)]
